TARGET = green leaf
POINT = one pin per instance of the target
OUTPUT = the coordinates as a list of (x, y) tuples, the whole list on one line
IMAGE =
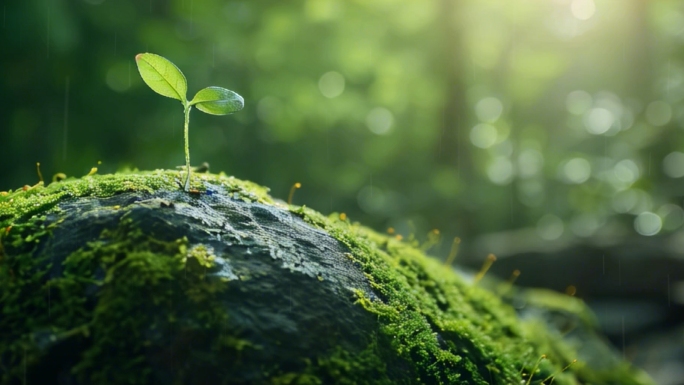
[(162, 76), (217, 101)]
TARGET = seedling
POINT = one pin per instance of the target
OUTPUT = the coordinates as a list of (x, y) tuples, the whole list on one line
[(164, 78)]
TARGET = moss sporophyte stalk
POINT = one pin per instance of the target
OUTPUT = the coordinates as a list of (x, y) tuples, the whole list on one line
[(164, 78)]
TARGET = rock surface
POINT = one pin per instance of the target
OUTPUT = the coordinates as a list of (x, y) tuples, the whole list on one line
[(127, 279)]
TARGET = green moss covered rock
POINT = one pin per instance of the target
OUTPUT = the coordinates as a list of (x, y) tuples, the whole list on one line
[(127, 279)]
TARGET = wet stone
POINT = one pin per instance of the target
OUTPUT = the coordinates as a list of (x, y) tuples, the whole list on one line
[(287, 288)]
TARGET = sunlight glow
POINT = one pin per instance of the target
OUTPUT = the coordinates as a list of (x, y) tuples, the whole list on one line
[(583, 9)]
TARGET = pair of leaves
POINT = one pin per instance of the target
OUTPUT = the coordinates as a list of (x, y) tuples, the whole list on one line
[(164, 78)]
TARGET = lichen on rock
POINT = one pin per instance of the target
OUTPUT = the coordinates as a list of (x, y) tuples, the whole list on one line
[(125, 278)]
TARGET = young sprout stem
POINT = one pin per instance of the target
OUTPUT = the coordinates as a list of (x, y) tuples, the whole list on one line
[(164, 78), (188, 107)]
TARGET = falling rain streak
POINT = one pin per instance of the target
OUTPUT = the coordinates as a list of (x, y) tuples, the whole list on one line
[(668, 290), (667, 83), (66, 119), (48, 30), (458, 148), (619, 273), (623, 337)]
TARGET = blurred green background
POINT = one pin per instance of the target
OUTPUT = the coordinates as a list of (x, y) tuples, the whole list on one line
[(514, 125), (468, 116)]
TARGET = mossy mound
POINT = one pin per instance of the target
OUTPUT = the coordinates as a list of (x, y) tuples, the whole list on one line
[(127, 279)]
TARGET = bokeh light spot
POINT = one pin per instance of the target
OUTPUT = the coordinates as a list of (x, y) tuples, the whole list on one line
[(583, 9), (331, 84), (371, 199), (578, 102), (624, 201), (489, 109), (658, 113), (648, 223), (531, 193), (550, 227), (598, 121), (577, 170), (483, 135), (673, 164), (530, 162), (379, 121), (672, 215), (500, 170), (584, 225), (269, 109), (626, 171), (119, 77)]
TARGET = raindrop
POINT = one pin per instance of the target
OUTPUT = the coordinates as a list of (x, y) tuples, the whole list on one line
[(550, 227), (489, 109), (483, 135), (331, 84), (379, 121), (647, 223)]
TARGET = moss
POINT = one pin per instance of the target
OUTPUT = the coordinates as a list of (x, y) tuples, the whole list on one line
[(25, 202), (153, 285)]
